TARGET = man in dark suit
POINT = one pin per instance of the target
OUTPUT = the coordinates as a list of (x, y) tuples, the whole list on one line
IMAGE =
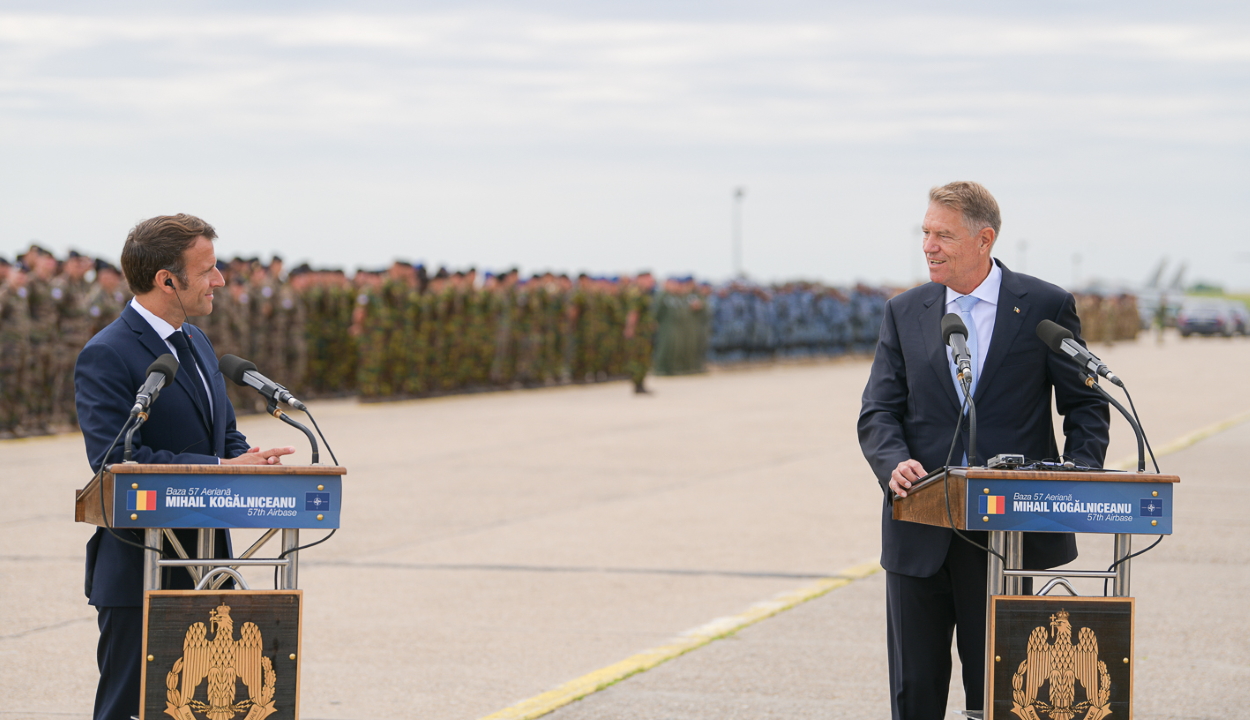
[(170, 266), (935, 582)]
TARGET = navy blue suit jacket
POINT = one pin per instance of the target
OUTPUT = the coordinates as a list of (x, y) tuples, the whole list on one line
[(910, 407), (110, 370)]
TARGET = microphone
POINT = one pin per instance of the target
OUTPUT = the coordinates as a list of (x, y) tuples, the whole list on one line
[(244, 372), (160, 373), (1060, 339), (955, 335)]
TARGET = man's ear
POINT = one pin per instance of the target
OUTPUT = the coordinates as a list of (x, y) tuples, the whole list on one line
[(985, 238), (165, 279)]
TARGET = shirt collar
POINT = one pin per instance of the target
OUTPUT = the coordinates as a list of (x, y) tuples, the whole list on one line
[(162, 328), (987, 291)]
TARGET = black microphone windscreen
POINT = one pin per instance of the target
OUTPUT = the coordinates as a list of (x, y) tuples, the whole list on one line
[(952, 324), (233, 367), (166, 365), (1053, 334)]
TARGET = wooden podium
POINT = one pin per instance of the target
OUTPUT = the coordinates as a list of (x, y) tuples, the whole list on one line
[(1008, 503), (179, 655)]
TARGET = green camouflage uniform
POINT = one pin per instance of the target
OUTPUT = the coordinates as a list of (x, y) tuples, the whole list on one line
[(15, 351)]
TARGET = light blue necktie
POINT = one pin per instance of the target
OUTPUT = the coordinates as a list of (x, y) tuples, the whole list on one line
[(966, 304)]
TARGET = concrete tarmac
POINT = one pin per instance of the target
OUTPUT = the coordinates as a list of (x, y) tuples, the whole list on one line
[(497, 546)]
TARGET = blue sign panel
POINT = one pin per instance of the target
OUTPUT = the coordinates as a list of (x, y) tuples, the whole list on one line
[(228, 501), (1070, 506)]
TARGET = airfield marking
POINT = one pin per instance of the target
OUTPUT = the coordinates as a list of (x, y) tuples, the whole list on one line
[(1185, 441), (590, 683)]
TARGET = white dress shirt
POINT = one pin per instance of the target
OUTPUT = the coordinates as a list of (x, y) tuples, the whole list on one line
[(983, 313), (164, 329)]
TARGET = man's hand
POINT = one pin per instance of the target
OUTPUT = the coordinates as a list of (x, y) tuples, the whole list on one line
[(907, 472), (256, 456)]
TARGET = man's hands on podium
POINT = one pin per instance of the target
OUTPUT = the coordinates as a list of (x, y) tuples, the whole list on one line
[(256, 456), (907, 472)]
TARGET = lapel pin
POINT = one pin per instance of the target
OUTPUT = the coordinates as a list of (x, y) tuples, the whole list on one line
[(1017, 310)]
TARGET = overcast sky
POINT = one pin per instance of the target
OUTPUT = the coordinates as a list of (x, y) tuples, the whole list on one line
[(609, 136)]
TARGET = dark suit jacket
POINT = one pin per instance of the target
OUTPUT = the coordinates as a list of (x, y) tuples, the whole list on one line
[(910, 407), (110, 370)]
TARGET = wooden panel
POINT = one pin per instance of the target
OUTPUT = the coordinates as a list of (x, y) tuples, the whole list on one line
[(1073, 476), (927, 504), (187, 632), (140, 469), (1043, 650), (87, 501)]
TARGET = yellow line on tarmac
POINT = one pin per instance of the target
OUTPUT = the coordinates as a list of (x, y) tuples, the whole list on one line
[(540, 705), (1184, 441)]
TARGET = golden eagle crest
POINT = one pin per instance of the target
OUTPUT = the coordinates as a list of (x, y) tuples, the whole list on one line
[(1061, 664), (220, 661)]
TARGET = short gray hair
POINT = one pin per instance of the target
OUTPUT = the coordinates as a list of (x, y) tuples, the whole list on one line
[(978, 206)]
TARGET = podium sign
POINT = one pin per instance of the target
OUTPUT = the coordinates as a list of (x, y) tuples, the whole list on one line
[(229, 501), (1065, 657), (207, 497), (1137, 508), (224, 654)]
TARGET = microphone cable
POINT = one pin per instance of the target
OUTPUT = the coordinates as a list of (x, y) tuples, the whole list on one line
[(298, 548), (1149, 449), (1127, 558), (108, 525), (321, 434), (946, 488)]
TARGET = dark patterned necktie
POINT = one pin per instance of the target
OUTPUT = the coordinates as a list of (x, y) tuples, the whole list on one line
[(188, 364)]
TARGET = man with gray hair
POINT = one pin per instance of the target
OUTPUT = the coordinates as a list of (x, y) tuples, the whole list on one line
[(936, 582)]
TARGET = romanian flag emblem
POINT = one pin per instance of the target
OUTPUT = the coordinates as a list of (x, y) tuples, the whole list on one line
[(993, 504), (141, 500)]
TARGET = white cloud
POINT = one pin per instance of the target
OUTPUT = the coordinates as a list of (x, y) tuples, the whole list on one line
[(541, 78)]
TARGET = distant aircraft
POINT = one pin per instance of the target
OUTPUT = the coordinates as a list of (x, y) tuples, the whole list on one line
[(1154, 292)]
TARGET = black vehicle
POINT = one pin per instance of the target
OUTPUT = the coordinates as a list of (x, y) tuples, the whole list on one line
[(1206, 316)]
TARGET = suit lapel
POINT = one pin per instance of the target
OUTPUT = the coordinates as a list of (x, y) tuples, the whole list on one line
[(930, 328), (1008, 320), (147, 336), (156, 345)]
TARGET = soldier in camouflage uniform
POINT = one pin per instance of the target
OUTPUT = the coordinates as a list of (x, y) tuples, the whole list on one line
[(376, 319), (108, 296), (70, 294), (15, 349), (639, 329), (41, 365), (290, 320)]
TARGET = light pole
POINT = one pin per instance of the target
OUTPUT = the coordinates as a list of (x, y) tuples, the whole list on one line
[(739, 194)]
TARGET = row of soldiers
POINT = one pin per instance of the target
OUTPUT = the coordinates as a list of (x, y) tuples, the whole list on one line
[(400, 332), (1107, 318), (751, 322), (49, 308)]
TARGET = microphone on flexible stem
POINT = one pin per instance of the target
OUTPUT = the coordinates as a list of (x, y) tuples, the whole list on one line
[(955, 335), (244, 373), (1061, 340), (160, 374)]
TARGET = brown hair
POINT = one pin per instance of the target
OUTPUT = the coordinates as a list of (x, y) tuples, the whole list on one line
[(978, 206), (159, 244)]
